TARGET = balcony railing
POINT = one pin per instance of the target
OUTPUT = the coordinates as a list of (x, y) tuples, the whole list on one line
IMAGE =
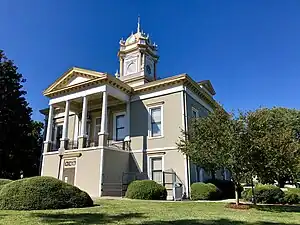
[(121, 145), (72, 145)]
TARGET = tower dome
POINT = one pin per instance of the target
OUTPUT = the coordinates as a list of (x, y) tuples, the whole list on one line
[(138, 58), (138, 38)]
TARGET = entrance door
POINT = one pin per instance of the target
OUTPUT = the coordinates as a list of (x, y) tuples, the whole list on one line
[(69, 171)]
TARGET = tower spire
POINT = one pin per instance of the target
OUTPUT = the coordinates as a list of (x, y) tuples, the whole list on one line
[(139, 24)]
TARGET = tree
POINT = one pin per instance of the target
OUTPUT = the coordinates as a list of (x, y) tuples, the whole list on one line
[(19, 139), (219, 141), (275, 137), (205, 139)]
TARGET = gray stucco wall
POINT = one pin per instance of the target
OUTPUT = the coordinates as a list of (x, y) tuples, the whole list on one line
[(87, 175), (115, 163), (172, 122)]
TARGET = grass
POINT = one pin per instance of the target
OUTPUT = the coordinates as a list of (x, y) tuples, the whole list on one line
[(156, 213)]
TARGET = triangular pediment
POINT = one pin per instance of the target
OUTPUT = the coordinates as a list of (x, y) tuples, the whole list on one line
[(74, 76)]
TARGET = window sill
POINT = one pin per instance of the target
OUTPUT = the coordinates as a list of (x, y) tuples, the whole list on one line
[(155, 137)]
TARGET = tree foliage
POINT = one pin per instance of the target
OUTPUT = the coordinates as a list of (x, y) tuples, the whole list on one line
[(219, 141), (206, 138), (265, 143), (274, 135), (20, 143)]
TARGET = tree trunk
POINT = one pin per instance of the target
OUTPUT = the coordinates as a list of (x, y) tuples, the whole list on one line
[(237, 198), (281, 183), (253, 194)]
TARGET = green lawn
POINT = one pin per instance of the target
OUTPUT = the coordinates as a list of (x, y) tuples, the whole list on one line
[(157, 213)]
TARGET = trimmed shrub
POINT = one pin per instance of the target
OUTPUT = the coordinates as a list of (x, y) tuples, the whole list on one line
[(294, 190), (226, 187), (42, 193), (247, 194), (291, 198), (269, 195), (146, 189), (4, 181), (202, 191)]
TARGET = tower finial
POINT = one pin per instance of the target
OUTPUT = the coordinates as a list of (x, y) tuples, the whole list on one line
[(139, 24)]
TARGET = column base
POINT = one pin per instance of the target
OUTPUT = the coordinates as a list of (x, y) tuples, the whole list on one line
[(102, 141), (82, 141), (47, 146), (64, 144)]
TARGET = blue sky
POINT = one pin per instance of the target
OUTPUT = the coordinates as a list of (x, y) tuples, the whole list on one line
[(250, 50)]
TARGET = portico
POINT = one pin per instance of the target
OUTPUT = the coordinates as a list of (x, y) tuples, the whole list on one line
[(92, 100)]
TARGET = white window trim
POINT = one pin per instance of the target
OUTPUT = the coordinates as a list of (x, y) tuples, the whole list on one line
[(115, 123), (150, 164), (149, 121), (196, 111)]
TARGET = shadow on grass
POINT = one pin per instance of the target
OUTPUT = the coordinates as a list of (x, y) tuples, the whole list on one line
[(100, 218), (209, 222), (278, 208), (2, 216), (85, 218)]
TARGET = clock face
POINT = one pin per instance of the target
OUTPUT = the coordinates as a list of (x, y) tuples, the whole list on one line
[(148, 70), (131, 67)]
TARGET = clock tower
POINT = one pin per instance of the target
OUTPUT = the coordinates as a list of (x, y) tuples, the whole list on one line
[(138, 58)]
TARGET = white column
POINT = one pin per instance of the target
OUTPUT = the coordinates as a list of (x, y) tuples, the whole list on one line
[(103, 129), (66, 121), (128, 118), (187, 175), (76, 126), (121, 66), (50, 124), (84, 117)]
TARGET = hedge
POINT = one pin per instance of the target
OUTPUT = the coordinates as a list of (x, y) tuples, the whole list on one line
[(268, 194), (291, 198), (147, 190), (202, 191), (42, 193)]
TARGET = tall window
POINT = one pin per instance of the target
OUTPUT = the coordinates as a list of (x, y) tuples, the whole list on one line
[(156, 169), (120, 127), (156, 121)]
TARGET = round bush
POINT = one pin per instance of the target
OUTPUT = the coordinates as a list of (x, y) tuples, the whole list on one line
[(4, 181), (202, 191), (269, 196), (291, 198), (42, 193), (147, 190), (264, 194)]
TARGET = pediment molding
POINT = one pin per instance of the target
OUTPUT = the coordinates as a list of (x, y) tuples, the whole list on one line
[(68, 78)]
